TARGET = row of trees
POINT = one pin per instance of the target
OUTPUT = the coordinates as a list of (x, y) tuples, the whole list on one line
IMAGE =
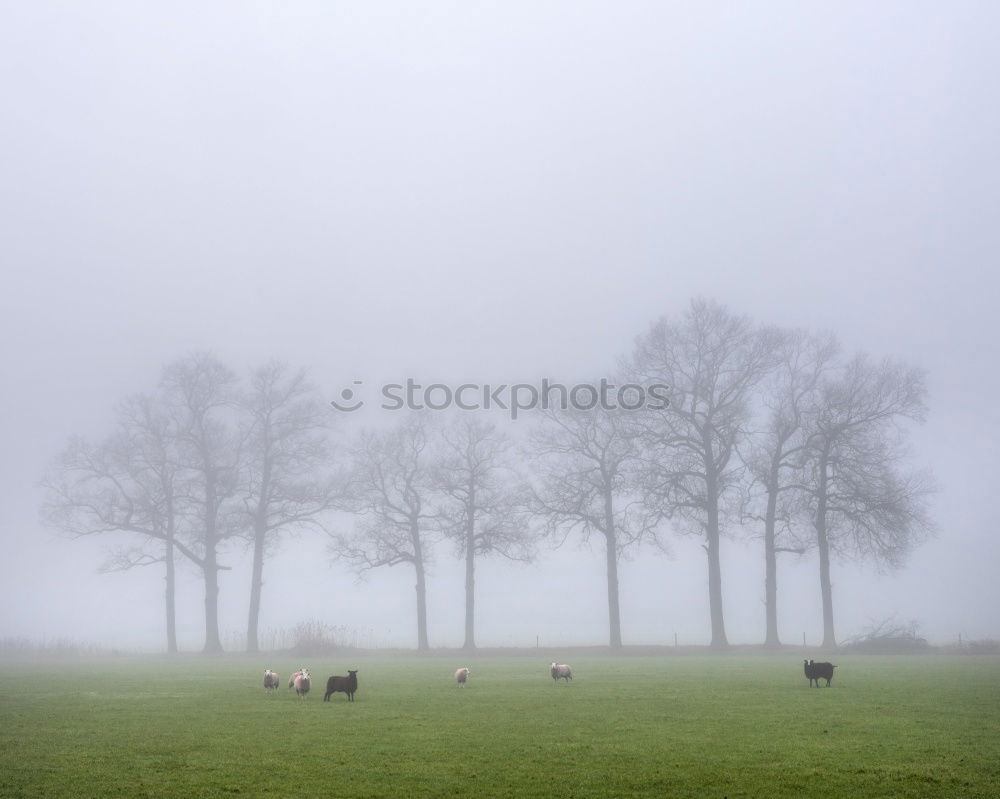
[(203, 462), (768, 432)]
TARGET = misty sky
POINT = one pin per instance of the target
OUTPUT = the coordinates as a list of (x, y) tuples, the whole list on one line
[(491, 193)]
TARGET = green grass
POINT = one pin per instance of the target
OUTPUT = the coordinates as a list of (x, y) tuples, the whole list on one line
[(633, 726)]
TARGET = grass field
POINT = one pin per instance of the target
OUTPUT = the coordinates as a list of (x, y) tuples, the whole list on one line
[(677, 726)]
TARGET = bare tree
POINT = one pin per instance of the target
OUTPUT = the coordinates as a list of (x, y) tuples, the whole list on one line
[(861, 499), (130, 483), (392, 493), (776, 454), (482, 508), (713, 361), (582, 461), (200, 394), (287, 483)]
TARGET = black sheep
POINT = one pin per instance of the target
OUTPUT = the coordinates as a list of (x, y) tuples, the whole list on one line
[(819, 671), (348, 685)]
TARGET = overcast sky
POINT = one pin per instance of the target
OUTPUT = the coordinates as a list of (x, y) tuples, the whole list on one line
[(492, 192)]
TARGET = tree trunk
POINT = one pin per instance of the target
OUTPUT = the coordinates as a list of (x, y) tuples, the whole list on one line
[(422, 643), (823, 545), (611, 548), (256, 584), (771, 563), (470, 600), (418, 563), (714, 564), (470, 586), (210, 565), (614, 612), (259, 540), (213, 643), (170, 599), (829, 639), (715, 592)]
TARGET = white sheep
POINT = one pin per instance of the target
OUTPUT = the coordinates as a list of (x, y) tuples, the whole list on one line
[(561, 670), (461, 675), (302, 682), (271, 680)]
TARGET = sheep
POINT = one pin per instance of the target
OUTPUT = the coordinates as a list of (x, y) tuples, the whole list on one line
[(822, 671), (817, 671), (561, 670), (271, 680), (291, 680), (302, 683), (461, 675), (348, 685)]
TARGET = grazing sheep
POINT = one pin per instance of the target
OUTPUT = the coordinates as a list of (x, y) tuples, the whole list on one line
[(818, 671), (347, 685), (461, 676), (271, 680), (291, 680), (302, 683), (561, 670)]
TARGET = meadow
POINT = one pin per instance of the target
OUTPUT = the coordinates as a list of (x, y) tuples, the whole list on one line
[(678, 726)]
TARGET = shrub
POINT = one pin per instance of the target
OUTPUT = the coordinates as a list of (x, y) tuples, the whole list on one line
[(888, 636)]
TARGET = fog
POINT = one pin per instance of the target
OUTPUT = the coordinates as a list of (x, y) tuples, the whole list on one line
[(452, 192)]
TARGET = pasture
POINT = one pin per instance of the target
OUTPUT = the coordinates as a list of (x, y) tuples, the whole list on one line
[(678, 726)]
